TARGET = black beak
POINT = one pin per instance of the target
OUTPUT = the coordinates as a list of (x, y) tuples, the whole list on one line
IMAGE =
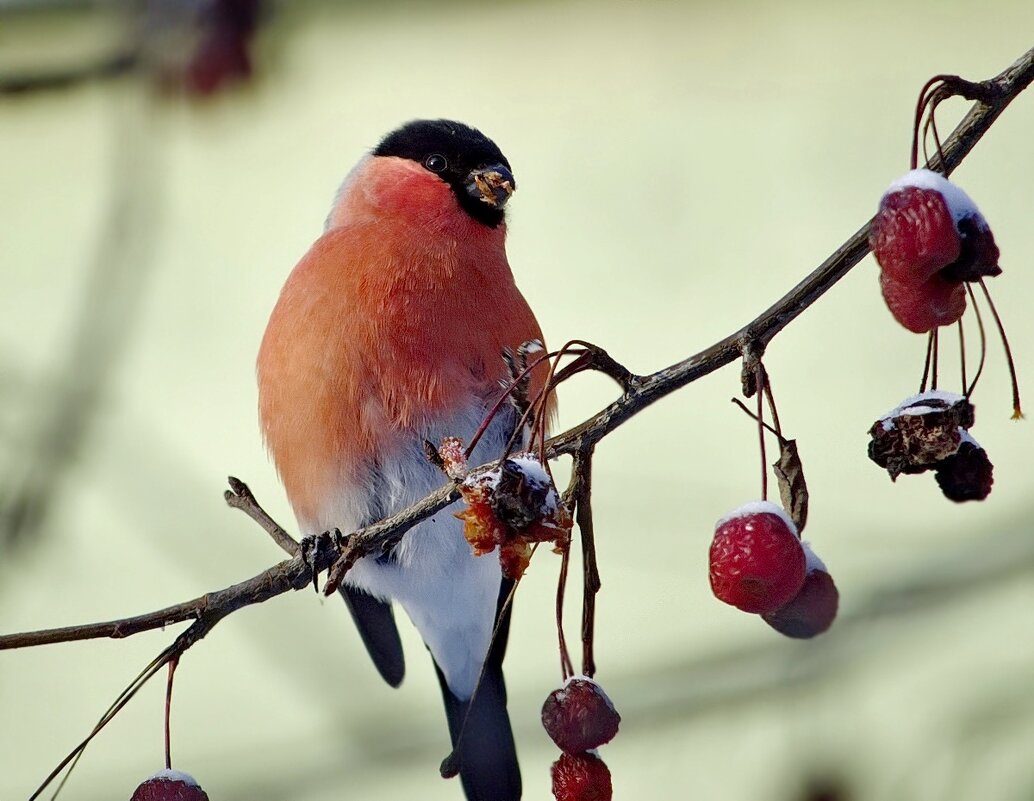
[(492, 184)]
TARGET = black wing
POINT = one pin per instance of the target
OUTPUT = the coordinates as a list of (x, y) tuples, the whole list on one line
[(376, 623)]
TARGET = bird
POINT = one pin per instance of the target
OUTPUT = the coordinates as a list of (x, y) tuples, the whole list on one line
[(390, 333)]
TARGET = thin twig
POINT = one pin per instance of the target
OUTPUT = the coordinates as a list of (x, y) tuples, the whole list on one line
[(240, 496)]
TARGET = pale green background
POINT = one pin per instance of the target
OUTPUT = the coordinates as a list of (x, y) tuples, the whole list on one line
[(680, 166)]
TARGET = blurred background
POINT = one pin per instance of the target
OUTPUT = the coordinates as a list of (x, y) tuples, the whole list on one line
[(681, 165)]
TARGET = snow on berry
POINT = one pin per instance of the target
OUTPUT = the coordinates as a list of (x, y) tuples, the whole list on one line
[(757, 563), (511, 506), (580, 716), (581, 777), (814, 608), (169, 785), (920, 432), (966, 475)]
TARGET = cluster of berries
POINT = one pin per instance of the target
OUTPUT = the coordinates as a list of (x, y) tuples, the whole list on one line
[(930, 431), (759, 564), (930, 239), (579, 717)]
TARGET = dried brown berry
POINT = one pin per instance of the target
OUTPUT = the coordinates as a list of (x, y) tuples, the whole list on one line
[(966, 475), (920, 432)]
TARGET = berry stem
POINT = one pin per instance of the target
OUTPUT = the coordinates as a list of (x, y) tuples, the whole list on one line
[(514, 383), (983, 340), (168, 711), (566, 668), (778, 430), (925, 97), (934, 91), (1017, 411), (962, 355), (759, 377), (926, 364), (936, 340), (930, 127)]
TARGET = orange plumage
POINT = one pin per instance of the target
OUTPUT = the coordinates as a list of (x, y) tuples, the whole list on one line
[(398, 313)]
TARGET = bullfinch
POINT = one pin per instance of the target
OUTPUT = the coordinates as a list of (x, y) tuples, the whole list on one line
[(389, 332)]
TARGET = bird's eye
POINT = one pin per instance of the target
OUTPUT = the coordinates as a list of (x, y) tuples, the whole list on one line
[(436, 162)]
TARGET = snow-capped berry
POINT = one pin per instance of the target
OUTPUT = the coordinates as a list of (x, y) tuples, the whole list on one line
[(756, 560), (581, 777), (914, 235), (921, 307), (920, 432), (579, 716), (169, 785), (524, 492), (912, 220), (929, 237), (813, 609), (966, 475), (510, 506)]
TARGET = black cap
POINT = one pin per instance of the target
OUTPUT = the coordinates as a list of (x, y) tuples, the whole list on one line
[(452, 151)]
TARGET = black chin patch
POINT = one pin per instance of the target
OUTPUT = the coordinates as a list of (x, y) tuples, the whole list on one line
[(463, 149)]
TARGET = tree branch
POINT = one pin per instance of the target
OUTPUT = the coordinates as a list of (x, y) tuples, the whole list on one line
[(338, 553)]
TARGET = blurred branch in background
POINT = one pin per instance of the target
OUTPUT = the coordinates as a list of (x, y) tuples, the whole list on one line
[(115, 279), (193, 46)]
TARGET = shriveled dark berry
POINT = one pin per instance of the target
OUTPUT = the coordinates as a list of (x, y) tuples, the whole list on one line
[(967, 475)]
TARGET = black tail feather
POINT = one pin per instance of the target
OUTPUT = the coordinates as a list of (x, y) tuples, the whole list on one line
[(482, 740)]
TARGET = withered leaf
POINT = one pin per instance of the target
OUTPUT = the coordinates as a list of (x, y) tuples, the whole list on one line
[(793, 490)]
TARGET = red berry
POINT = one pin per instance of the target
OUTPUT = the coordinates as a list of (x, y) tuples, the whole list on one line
[(581, 777), (169, 785), (757, 562), (813, 609), (913, 235), (579, 716), (924, 306), (929, 238)]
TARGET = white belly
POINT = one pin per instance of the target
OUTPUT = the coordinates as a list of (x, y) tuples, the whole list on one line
[(448, 593)]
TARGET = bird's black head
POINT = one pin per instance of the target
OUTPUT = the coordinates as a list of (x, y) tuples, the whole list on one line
[(463, 157)]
